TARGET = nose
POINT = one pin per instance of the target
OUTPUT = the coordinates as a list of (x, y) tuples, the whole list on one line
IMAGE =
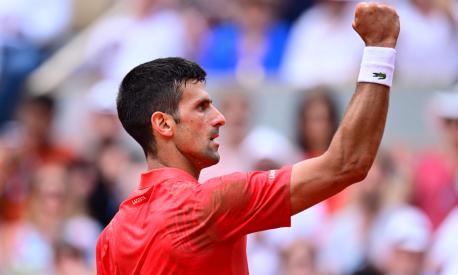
[(219, 119)]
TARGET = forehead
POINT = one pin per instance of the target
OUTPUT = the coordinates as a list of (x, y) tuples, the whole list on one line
[(193, 92)]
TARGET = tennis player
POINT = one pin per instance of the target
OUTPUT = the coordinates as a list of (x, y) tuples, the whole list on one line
[(172, 224)]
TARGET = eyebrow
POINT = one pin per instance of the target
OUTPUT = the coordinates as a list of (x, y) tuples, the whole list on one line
[(204, 100)]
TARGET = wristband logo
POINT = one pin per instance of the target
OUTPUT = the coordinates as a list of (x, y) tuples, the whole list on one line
[(379, 75)]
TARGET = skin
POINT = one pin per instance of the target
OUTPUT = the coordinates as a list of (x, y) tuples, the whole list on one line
[(355, 144), (317, 126), (189, 144)]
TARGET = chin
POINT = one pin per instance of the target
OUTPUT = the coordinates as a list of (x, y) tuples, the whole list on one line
[(204, 159), (210, 160), (214, 160)]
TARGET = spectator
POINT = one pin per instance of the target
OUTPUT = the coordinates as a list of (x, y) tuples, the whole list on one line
[(317, 121), (23, 249), (28, 32), (80, 182), (36, 126), (251, 46), (27, 243), (69, 260), (351, 240), (429, 35), (32, 144), (101, 121), (318, 118), (272, 151), (79, 233), (47, 200), (299, 258), (444, 253), (263, 257), (436, 171), (406, 238), (294, 8), (322, 48), (155, 29), (80, 230), (111, 163)]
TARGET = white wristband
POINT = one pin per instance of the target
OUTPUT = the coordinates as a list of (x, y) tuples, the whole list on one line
[(377, 65)]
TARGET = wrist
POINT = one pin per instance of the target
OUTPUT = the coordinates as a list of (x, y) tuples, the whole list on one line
[(382, 44), (377, 65)]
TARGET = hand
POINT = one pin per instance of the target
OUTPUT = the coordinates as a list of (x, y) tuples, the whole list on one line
[(377, 24)]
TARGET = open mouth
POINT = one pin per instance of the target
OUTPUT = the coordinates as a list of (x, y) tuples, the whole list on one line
[(214, 136), (213, 141)]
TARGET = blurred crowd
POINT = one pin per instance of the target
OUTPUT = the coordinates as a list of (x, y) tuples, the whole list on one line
[(66, 164)]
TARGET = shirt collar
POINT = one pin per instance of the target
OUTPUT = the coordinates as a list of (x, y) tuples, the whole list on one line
[(151, 177)]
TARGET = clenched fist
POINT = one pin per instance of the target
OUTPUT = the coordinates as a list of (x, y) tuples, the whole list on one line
[(377, 24)]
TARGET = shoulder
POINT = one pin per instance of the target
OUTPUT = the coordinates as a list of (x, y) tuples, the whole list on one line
[(102, 242)]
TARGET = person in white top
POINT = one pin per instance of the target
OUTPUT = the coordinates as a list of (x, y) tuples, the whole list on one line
[(444, 252), (155, 29), (428, 44), (336, 60)]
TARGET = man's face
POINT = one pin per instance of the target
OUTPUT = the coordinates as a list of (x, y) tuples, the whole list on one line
[(198, 126)]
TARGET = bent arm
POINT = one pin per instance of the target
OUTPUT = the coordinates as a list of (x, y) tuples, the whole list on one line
[(354, 146), (350, 154)]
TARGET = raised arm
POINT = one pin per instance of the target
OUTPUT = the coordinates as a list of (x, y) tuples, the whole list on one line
[(354, 146)]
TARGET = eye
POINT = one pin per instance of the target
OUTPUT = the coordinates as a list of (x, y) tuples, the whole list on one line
[(203, 106)]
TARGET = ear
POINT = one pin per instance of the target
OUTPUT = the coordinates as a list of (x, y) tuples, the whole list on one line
[(163, 124)]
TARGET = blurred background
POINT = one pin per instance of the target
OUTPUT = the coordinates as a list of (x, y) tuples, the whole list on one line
[(282, 73)]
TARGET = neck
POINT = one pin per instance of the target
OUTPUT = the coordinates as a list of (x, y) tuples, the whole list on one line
[(163, 160)]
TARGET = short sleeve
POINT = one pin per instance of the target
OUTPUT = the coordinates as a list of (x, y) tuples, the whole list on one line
[(241, 203), (103, 261), (100, 254)]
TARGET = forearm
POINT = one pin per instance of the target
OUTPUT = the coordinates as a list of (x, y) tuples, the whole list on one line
[(350, 154), (355, 144)]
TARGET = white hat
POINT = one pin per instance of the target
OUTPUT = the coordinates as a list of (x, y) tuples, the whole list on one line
[(408, 229), (82, 232), (267, 143)]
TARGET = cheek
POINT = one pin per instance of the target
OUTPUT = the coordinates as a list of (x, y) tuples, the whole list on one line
[(196, 127), (189, 135)]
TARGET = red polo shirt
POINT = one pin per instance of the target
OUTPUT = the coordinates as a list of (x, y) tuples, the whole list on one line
[(174, 225)]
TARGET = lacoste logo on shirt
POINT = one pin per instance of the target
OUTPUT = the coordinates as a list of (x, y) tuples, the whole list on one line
[(138, 200), (379, 75)]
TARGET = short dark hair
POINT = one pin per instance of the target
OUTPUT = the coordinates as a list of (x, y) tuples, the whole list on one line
[(151, 87)]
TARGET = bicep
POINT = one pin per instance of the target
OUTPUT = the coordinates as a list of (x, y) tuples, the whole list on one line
[(312, 181)]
